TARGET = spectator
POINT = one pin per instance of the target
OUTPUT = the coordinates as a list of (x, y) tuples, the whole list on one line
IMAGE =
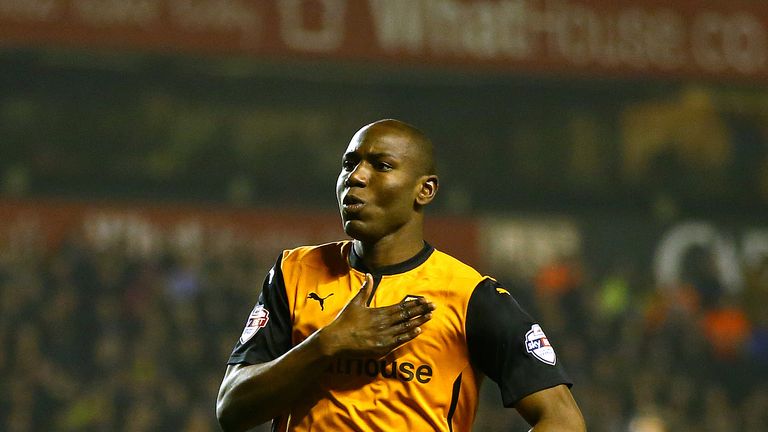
[(100, 340)]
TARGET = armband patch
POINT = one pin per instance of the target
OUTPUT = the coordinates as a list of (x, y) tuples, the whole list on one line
[(257, 319), (537, 344)]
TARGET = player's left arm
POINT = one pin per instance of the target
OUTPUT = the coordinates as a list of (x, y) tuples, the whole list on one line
[(552, 409), (509, 347)]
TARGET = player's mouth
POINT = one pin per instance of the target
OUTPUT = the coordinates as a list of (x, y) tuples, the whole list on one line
[(352, 204)]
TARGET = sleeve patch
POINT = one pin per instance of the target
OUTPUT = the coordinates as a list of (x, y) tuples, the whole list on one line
[(256, 320), (537, 345)]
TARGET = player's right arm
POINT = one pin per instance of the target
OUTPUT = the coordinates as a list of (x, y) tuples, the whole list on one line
[(266, 375)]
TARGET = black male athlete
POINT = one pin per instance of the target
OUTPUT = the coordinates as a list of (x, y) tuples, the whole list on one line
[(404, 334)]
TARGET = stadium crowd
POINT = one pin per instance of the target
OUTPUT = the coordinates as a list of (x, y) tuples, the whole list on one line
[(97, 338)]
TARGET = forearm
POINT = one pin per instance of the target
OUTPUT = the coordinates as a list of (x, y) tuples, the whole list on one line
[(251, 395)]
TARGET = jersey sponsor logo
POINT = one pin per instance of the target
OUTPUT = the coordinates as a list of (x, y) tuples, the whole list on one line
[(321, 300), (503, 291), (257, 319), (537, 344), (394, 369)]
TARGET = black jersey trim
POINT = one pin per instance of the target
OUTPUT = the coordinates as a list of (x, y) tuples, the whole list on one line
[(454, 401), (420, 258)]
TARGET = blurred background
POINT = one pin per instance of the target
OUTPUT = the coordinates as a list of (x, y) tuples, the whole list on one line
[(607, 160)]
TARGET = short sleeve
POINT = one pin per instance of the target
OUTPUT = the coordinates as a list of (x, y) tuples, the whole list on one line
[(267, 332), (508, 346)]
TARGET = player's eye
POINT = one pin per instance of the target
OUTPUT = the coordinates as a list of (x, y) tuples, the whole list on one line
[(348, 164)]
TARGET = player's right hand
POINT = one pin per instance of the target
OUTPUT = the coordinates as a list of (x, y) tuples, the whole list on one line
[(362, 331)]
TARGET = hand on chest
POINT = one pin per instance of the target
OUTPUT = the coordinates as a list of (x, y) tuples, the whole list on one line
[(319, 302)]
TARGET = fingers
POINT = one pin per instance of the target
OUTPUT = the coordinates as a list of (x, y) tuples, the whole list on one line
[(408, 330), (405, 320), (403, 312), (365, 292), (413, 325), (403, 338)]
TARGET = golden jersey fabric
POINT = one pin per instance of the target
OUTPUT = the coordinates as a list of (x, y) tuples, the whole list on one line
[(428, 384)]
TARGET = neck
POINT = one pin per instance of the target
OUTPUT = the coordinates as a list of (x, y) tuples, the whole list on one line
[(388, 251)]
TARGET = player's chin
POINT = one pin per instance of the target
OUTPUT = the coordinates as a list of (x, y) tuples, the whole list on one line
[(358, 230), (353, 227)]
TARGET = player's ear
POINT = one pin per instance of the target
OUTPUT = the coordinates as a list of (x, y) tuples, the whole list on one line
[(427, 189)]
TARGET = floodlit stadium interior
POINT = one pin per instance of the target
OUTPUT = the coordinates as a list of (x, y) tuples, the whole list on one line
[(605, 160)]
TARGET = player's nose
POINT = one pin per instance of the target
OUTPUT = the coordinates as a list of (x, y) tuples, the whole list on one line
[(358, 177)]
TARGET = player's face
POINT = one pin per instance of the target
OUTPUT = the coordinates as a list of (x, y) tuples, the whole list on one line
[(378, 184)]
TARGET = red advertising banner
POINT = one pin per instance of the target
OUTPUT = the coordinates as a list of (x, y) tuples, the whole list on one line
[(691, 38), (146, 228)]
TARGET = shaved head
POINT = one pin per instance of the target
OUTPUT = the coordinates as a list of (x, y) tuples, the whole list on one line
[(386, 180), (418, 142)]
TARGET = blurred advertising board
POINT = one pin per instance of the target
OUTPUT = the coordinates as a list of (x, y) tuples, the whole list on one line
[(148, 229), (692, 38), (732, 253), (522, 245), (665, 256), (145, 230), (510, 247)]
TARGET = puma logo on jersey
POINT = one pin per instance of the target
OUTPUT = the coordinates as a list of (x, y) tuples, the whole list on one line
[(319, 299), (503, 291)]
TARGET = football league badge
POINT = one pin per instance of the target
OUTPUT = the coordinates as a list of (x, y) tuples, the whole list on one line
[(256, 320), (537, 344)]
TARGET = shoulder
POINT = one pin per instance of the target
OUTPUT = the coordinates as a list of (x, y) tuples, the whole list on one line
[(454, 268), (489, 296), (317, 255), (493, 310), (320, 261)]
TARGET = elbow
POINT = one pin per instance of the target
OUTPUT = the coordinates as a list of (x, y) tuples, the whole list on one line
[(227, 415), (224, 415), (231, 417), (238, 407)]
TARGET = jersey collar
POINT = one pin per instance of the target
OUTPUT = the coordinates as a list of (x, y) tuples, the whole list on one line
[(357, 263)]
